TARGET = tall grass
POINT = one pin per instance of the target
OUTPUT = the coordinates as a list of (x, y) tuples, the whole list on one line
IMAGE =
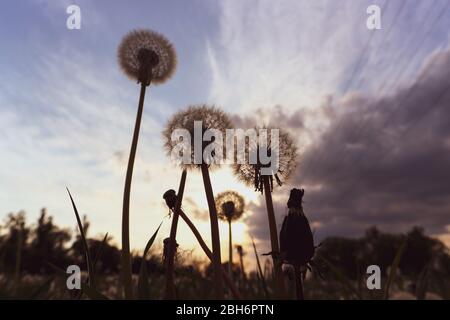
[(87, 253), (170, 282)]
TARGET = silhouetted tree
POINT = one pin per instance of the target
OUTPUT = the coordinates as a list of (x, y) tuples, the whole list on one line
[(48, 244), (13, 242)]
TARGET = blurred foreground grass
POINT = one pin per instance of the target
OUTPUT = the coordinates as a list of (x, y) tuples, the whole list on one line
[(413, 266)]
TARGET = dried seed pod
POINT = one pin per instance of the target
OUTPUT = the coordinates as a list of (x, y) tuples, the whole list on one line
[(170, 196), (296, 239)]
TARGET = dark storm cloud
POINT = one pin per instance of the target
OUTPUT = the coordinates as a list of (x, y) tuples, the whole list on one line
[(276, 116), (383, 161)]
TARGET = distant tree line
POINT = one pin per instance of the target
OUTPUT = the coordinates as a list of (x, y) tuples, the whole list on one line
[(36, 248), (39, 247), (421, 253)]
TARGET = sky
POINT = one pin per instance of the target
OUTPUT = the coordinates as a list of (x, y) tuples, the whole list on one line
[(368, 110)]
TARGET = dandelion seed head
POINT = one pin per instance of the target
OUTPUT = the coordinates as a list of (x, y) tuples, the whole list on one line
[(211, 118), (230, 205), (146, 51), (286, 152)]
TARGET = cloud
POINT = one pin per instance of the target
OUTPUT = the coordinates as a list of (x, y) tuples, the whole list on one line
[(381, 161), (66, 126), (269, 53), (293, 53)]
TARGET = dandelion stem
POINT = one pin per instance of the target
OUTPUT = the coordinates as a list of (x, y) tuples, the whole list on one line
[(170, 285), (217, 263), (230, 250), (273, 237), (126, 257), (209, 254), (299, 282)]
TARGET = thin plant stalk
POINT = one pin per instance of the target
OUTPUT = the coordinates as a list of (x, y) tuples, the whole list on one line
[(87, 253), (241, 261), (260, 273), (299, 283), (244, 284), (170, 284), (273, 237), (126, 256), (230, 250), (216, 261), (209, 254)]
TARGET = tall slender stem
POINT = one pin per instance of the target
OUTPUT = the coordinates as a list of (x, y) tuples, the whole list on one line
[(126, 257), (170, 285), (209, 254), (230, 250), (217, 263), (241, 261), (299, 283), (273, 237)]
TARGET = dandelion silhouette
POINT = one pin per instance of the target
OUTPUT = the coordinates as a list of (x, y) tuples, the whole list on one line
[(284, 151), (211, 118), (230, 206), (170, 198), (172, 245), (251, 174), (296, 239), (148, 57)]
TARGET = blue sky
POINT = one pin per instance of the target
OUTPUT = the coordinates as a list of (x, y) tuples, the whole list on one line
[(67, 111)]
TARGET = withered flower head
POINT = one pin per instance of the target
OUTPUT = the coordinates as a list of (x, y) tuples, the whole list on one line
[(147, 56), (285, 151), (230, 205), (170, 196), (211, 118), (296, 199), (296, 239)]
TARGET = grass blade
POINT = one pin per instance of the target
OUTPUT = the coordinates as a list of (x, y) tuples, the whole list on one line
[(84, 242), (422, 283), (260, 274), (100, 251), (394, 267), (97, 257), (342, 278), (143, 283), (89, 291)]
